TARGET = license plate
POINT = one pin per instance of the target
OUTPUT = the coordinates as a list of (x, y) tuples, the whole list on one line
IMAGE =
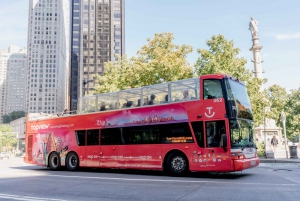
[(253, 162)]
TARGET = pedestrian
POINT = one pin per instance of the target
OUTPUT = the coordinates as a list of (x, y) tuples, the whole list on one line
[(274, 143)]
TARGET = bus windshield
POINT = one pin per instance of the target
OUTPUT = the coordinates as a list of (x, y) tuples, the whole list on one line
[(241, 134), (238, 100)]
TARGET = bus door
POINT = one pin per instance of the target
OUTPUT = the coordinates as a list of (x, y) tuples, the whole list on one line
[(92, 150), (198, 153), (143, 149), (217, 158), (81, 150), (112, 143)]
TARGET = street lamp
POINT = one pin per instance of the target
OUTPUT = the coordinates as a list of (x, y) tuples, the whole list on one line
[(283, 118), (267, 109)]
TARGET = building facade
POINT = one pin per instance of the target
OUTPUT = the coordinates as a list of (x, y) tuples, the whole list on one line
[(97, 35), (18, 128), (48, 56), (13, 63)]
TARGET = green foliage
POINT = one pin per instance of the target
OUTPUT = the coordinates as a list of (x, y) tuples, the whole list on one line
[(7, 118), (115, 76), (7, 138), (277, 97), (157, 62), (163, 61), (292, 112), (261, 149), (222, 57)]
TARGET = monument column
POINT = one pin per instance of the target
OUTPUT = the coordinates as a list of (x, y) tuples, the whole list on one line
[(258, 71)]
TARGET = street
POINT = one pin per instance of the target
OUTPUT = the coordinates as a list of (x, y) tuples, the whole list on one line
[(269, 181)]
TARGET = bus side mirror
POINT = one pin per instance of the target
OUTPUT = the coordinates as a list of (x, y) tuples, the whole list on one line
[(224, 141)]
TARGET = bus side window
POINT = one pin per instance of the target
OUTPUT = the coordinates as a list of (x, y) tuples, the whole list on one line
[(176, 133), (111, 136), (212, 89), (80, 137), (214, 131), (93, 137), (198, 130)]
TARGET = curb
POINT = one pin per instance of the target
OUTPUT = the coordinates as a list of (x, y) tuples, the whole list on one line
[(279, 161)]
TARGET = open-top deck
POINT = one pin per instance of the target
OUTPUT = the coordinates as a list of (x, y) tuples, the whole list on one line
[(170, 92)]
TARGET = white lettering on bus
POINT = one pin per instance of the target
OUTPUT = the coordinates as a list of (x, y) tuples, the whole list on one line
[(42, 126)]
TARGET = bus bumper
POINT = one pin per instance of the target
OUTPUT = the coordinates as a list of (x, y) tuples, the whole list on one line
[(242, 164)]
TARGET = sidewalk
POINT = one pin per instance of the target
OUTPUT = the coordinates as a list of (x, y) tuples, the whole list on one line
[(279, 160), (280, 155)]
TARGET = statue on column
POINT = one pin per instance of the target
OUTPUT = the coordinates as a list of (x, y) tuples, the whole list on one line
[(253, 27)]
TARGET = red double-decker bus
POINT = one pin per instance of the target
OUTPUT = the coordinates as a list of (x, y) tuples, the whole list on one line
[(197, 124)]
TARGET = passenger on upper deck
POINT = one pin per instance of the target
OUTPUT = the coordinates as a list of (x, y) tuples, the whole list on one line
[(186, 95), (151, 101), (129, 103), (166, 98), (102, 108)]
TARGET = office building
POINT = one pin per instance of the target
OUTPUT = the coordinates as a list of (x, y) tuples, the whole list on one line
[(97, 35), (48, 56), (12, 80)]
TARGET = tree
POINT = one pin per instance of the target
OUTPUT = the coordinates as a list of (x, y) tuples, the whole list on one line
[(7, 138), (292, 112), (277, 97), (222, 57), (157, 62), (7, 118), (163, 61), (115, 76)]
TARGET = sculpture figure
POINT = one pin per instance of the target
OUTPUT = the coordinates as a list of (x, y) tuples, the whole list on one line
[(253, 27)]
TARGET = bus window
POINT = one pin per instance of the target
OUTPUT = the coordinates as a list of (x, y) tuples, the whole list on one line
[(111, 136), (93, 137), (212, 89), (198, 130), (214, 131), (80, 138), (176, 133), (141, 135)]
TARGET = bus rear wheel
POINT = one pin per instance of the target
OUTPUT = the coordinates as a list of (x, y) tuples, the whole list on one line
[(177, 164), (72, 162), (54, 161)]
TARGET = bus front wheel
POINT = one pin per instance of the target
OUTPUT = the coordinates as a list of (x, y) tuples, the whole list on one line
[(177, 164), (72, 161), (54, 161)]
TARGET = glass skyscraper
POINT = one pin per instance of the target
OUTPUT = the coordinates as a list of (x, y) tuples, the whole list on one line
[(97, 35)]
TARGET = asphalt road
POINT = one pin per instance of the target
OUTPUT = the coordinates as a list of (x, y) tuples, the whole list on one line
[(20, 181)]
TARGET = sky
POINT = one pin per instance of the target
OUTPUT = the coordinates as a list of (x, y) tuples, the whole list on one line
[(193, 22)]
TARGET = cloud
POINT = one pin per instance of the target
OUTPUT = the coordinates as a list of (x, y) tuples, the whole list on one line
[(287, 36)]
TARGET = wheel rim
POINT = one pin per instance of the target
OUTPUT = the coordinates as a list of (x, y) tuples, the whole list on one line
[(73, 161), (54, 161), (178, 163)]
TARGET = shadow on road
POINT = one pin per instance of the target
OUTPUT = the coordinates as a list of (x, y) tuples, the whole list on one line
[(212, 175)]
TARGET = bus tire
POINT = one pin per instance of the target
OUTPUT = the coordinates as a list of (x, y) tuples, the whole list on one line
[(54, 161), (72, 161), (177, 164)]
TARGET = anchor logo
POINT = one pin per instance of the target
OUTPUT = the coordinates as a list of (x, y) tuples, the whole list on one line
[(210, 114)]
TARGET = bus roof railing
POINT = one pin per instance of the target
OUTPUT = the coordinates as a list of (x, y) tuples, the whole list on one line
[(137, 97)]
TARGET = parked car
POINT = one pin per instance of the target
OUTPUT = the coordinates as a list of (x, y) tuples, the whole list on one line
[(4, 155)]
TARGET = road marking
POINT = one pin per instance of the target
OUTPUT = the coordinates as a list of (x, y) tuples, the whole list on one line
[(161, 180), (26, 198)]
